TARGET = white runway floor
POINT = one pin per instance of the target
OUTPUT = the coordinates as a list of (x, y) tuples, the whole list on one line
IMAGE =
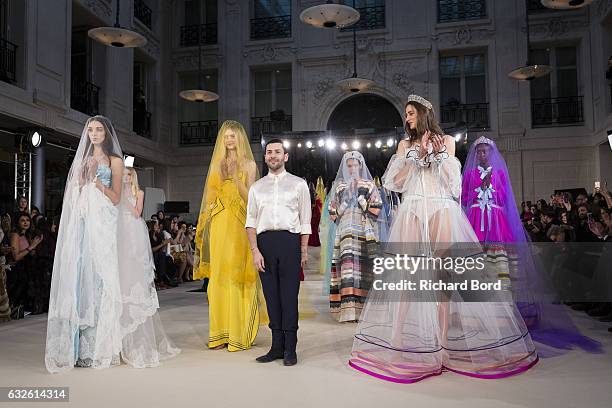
[(204, 378)]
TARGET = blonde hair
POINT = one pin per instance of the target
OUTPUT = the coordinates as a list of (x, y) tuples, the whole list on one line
[(241, 139), (134, 181)]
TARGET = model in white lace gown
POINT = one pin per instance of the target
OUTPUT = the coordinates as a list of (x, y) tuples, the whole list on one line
[(144, 341), (91, 321), (406, 336)]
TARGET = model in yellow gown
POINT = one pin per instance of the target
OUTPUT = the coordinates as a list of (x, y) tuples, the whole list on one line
[(225, 257)]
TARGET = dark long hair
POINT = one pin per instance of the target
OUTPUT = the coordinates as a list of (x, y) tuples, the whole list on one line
[(426, 120), (30, 232)]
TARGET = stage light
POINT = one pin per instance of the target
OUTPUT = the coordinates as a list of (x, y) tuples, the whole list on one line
[(299, 145), (458, 137), (128, 160), (356, 144), (330, 144), (390, 142), (36, 139), (369, 145), (309, 144), (321, 143), (378, 144), (286, 144), (343, 146)]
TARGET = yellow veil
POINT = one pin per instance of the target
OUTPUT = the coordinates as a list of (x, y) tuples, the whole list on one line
[(245, 155), (320, 189)]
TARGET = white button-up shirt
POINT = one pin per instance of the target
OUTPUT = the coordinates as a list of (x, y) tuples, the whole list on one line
[(279, 203)]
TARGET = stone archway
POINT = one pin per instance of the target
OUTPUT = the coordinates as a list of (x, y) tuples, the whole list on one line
[(364, 111)]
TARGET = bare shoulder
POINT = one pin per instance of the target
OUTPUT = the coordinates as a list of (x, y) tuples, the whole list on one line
[(116, 162), (249, 165), (140, 193)]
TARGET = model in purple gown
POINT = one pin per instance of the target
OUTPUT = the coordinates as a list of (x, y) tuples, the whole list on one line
[(488, 202)]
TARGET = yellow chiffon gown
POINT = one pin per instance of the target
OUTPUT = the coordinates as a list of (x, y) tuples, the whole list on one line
[(233, 289)]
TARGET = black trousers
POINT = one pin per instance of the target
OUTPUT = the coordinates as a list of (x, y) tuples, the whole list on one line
[(281, 279)]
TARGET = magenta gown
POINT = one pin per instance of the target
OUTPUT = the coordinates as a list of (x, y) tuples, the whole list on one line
[(484, 207)]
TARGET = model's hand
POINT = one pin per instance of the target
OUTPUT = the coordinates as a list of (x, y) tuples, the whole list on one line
[(304, 259), (99, 185), (424, 143), (437, 142), (258, 260)]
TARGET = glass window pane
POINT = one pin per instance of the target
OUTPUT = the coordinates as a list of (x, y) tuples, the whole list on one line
[(540, 88), (566, 56), (262, 80), (540, 56), (474, 64), (283, 100), (567, 82), (263, 103), (283, 78), (449, 67), (272, 8), (475, 89), (450, 91)]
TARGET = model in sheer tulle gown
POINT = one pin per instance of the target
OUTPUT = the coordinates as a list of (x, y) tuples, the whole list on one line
[(407, 336)]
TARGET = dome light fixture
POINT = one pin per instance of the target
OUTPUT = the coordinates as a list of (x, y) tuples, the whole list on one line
[(330, 15), (565, 4), (200, 94), (529, 72), (117, 36)]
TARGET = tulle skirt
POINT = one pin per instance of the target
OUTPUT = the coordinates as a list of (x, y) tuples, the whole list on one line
[(407, 336), (144, 341)]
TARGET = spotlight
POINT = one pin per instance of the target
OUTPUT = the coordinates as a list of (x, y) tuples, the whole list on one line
[(458, 137), (378, 144), (356, 145), (286, 144), (390, 142), (309, 144), (299, 145), (330, 144), (343, 146), (128, 160), (35, 139), (321, 143), (369, 145)]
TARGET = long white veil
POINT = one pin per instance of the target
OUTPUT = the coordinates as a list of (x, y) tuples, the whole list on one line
[(89, 294)]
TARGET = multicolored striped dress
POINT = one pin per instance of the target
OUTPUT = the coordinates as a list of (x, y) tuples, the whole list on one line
[(356, 243)]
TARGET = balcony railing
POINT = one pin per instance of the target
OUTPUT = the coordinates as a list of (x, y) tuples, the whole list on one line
[(142, 12), (262, 125), (461, 10), (8, 51), (142, 123), (562, 111), (189, 34), (201, 132), (371, 18), (84, 97), (270, 27), (474, 115)]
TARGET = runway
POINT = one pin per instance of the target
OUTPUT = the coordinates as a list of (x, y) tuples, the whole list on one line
[(199, 377)]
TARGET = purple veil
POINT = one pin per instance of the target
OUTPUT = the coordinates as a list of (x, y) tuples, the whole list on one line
[(488, 202)]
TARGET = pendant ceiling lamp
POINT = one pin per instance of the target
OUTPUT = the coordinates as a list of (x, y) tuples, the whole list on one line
[(116, 36), (565, 4), (530, 71), (330, 15), (354, 83), (199, 94)]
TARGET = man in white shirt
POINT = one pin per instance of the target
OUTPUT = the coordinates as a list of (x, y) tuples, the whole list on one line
[(278, 227)]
